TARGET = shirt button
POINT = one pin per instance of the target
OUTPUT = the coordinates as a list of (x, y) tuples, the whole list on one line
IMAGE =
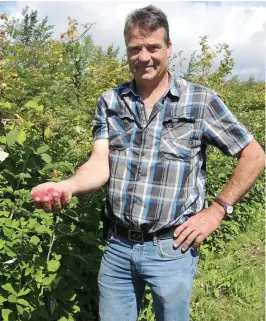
[(125, 121), (143, 153)]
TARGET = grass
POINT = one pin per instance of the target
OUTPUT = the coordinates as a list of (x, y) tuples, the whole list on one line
[(230, 285)]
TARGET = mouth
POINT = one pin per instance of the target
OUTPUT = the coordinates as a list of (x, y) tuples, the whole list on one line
[(144, 68)]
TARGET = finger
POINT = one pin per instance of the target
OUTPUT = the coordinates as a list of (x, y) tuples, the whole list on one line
[(180, 229), (37, 202), (65, 198), (180, 239), (57, 206), (47, 205), (198, 241), (189, 240)]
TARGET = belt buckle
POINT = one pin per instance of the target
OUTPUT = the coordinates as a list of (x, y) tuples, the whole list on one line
[(135, 236)]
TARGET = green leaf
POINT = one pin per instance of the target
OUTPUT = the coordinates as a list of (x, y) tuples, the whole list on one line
[(20, 309), (53, 265), (23, 302), (35, 239), (9, 288), (12, 298), (5, 314), (32, 104), (24, 291), (47, 158), (7, 104), (2, 299), (42, 149), (48, 133), (3, 139), (216, 293), (11, 138), (21, 137), (49, 279)]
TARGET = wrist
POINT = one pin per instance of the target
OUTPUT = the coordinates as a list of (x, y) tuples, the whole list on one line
[(71, 185), (221, 213)]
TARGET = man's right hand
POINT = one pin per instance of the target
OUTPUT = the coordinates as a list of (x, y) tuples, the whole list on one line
[(52, 197)]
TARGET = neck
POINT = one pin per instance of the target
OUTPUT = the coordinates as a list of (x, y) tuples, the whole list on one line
[(146, 89)]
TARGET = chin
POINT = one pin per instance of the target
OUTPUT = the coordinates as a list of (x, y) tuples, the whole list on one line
[(148, 76)]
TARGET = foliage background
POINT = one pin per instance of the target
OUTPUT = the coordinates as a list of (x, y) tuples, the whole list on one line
[(48, 92)]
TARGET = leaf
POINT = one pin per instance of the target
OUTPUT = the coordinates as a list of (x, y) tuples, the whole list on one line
[(2, 299), (21, 137), (5, 314), (39, 276), (10, 261), (42, 149), (9, 288), (3, 155), (53, 265), (11, 138), (49, 279), (48, 133), (24, 291), (3, 139), (216, 293), (47, 158), (35, 239), (23, 302), (12, 298), (20, 309), (7, 104), (32, 104)]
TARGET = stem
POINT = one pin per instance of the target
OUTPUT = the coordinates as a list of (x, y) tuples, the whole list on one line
[(52, 239)]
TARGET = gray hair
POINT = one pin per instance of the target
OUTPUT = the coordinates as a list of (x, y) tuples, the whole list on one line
[(149, 18)]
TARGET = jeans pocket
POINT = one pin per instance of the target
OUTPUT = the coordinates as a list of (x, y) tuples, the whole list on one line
[(195, 260), (167, 250)]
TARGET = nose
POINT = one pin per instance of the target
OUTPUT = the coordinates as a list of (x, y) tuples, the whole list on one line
[(144, 55)]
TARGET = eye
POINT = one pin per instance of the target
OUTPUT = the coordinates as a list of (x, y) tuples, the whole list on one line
[(133, 50), (154, 48)]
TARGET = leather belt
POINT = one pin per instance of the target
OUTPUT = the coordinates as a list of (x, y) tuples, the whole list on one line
[(139, 236)]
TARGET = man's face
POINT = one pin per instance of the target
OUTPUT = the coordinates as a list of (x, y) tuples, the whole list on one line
[(147, 53)]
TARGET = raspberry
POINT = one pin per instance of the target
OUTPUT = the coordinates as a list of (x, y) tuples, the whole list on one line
[(48, 193)]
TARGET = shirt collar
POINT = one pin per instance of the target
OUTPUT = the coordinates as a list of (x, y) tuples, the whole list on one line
[(173, 88)]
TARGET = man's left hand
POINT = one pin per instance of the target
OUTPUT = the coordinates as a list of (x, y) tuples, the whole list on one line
[(198, 227)]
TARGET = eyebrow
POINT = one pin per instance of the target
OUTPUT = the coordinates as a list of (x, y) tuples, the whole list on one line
[(148, 45)]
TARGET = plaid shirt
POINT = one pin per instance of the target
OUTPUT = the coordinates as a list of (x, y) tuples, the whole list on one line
[(157, 164)]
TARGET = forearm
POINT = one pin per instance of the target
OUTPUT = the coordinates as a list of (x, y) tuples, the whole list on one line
[(90, 177), (248, 169)]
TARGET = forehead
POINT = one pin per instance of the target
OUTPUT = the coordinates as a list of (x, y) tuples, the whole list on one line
[(138, 35)]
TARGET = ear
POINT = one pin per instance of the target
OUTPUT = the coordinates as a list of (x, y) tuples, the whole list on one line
[(169, 49)]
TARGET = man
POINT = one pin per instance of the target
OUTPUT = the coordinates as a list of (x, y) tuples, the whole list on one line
[(150, 141)]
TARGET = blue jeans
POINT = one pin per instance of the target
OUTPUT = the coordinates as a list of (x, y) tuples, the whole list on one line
[(127, 267)]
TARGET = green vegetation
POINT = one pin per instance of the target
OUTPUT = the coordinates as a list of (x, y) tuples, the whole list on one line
[(230, 284), (48, 92)]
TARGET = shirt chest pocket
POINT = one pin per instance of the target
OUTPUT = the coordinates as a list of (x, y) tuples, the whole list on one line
[(179, 140), (120, 130)]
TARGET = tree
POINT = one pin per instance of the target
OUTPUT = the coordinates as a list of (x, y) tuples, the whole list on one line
[(29, 30)]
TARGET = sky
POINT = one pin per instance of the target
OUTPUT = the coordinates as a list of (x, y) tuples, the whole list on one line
[(240, 24)]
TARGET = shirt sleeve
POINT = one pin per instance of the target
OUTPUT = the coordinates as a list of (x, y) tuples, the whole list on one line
[(221, 128), (100, 126)]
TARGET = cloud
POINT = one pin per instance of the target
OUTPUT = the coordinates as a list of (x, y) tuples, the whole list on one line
[(239, 24)]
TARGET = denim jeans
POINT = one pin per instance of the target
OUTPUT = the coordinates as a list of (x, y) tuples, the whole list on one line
[(127, 266)]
